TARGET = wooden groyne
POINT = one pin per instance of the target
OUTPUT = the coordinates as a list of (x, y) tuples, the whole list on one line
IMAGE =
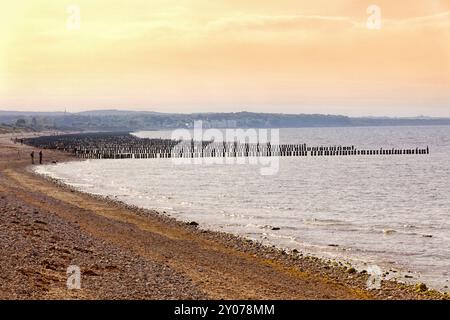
[(127, 146)]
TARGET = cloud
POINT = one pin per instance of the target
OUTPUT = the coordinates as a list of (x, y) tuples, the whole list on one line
[(440, 19), (282, 22), (278, 22)]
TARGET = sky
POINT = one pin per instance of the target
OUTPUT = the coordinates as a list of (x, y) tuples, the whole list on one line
[(289, 56)]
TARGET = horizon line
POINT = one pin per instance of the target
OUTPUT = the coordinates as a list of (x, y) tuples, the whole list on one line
[(231, 112)]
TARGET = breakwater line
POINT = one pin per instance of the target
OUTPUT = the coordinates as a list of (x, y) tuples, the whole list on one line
[(126, 146)]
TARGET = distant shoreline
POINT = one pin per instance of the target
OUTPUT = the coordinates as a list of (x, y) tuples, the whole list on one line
[(103, 236), (123, 120)]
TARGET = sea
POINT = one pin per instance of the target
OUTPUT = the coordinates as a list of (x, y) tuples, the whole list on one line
[(391, 212)]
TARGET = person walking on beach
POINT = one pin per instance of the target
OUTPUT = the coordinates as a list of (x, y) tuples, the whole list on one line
[(32, 157), (40, 157)]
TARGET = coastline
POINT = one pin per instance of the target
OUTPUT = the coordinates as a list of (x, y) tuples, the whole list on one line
[(126, 252)]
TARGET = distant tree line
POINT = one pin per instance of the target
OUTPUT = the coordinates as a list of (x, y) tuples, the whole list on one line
[(116, 120)]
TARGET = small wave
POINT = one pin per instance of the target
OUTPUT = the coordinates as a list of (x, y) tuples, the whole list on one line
[(324, 222), (165, 208), (391, 231), (234, 215)]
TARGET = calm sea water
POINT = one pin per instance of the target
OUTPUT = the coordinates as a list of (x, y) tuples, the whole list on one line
[(392, 211)]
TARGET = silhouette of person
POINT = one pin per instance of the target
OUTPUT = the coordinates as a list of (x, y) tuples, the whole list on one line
[(32, 157), (40, 157)]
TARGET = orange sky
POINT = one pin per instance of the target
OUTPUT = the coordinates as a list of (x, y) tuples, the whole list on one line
[(292, 56)]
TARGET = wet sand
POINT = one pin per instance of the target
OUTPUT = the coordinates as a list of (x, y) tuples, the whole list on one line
[(130, 253)]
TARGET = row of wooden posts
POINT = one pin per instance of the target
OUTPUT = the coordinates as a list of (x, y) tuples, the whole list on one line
[(127, 146), (246, 150)]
